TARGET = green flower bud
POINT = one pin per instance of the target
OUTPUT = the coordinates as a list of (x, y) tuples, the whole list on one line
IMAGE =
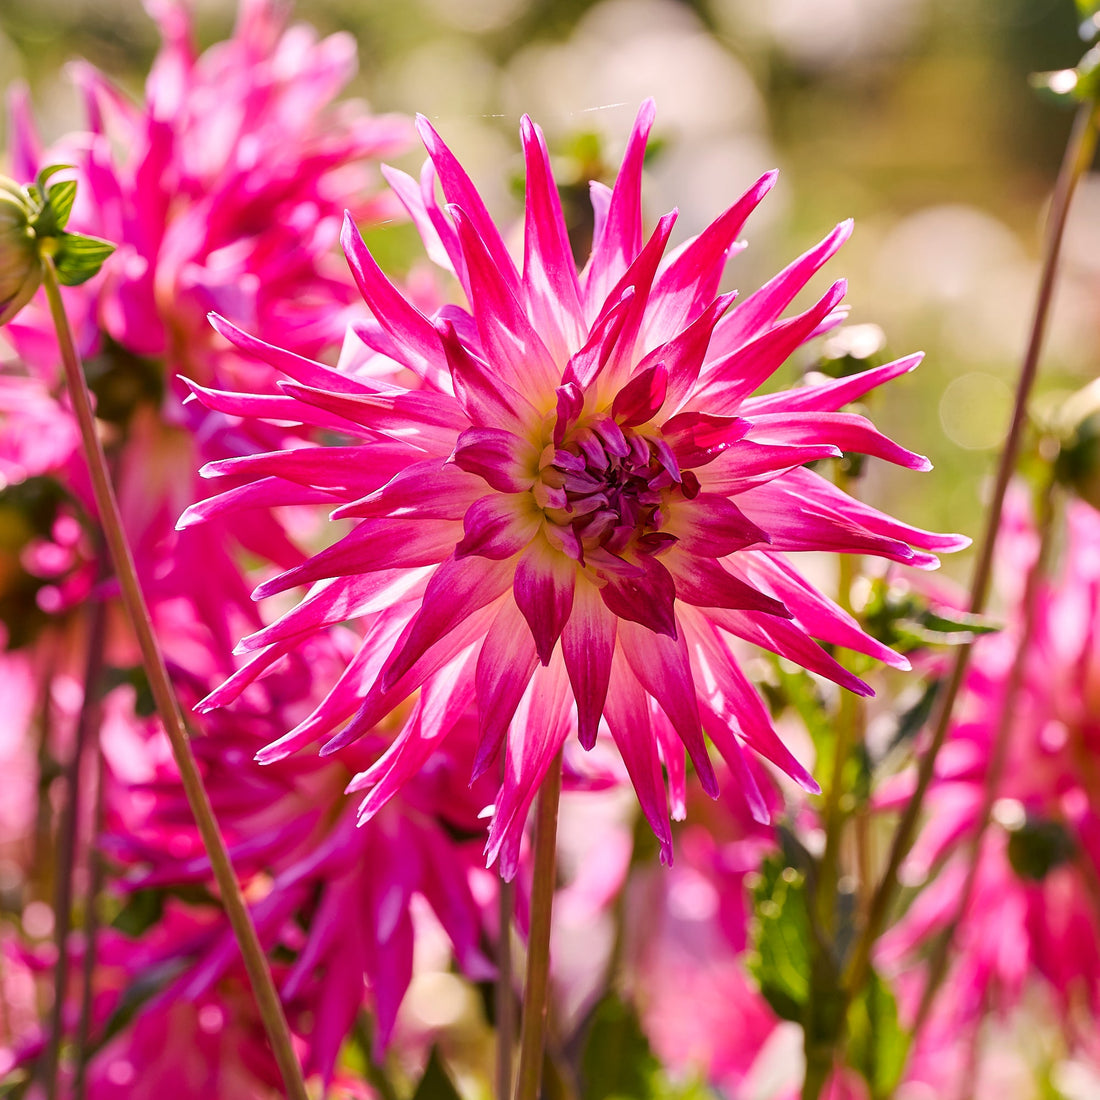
[(1078, 428), (20, 264)]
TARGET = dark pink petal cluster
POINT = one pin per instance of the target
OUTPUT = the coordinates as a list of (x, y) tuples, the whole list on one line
[(574, 507)]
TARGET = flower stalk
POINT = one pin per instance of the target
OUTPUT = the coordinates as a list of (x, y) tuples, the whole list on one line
[(938, 960), (537, 985), (1080, 150), (259, 973)]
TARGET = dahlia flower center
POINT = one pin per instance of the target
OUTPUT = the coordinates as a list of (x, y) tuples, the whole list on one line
[(611, 487)]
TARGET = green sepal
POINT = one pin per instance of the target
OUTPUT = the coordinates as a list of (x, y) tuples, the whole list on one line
[(59, 200), (80, 257)]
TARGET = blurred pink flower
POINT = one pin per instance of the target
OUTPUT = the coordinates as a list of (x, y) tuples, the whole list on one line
[(579, 462), (1034, 911)]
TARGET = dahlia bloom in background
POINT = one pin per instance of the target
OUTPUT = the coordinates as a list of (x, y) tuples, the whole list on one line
[(1031, 932), (575, 504), (223, 190)]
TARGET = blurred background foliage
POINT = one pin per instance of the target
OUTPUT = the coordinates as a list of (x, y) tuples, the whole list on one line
[(912, 116)]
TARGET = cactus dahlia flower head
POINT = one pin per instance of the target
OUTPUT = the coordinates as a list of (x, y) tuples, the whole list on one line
[(574, 504)]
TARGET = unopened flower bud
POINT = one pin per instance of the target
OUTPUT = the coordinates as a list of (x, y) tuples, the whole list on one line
[(1078, 461), (20, 265)]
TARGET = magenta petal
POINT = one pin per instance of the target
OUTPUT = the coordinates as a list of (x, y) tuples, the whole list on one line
[(725, 382), (458, 586), (504, 669), (641, 398), (759, 310), (374, 544), (460, 191), (698, 438), (543, 589), (713, 526), (431, 489), (646, 596), (691, 279), (588, 646), (507, 462), (663, 668), (549, 271), (628, 717), (295, 366), (404, 322), (508, 337), (496, 528), (834, 394), (619, 237), (266, 493), (585, 365), (487, 399), (847, 431), (705, 583)]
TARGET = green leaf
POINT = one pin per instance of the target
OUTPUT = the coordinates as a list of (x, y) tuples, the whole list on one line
[(877, 1044), (435, 1084), (59, 200), (617, 1061), (78, 257), (780, 961)]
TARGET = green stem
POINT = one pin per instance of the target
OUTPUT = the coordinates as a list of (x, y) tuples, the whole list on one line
[(263, 985), (1078, 157), (537, 985), (998, 759)]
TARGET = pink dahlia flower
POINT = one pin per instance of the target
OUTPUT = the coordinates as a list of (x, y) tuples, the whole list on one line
[(570, 503), (1032, 917)]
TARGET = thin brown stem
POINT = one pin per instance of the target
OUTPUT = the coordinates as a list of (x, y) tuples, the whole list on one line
[(68, 828), (505, 995), (537, 986), (96, 874), (998, 759), (1079, 154), (263, 985)]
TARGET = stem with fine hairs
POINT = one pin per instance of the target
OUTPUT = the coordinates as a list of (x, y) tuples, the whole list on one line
[(536, 988), (259, 973)]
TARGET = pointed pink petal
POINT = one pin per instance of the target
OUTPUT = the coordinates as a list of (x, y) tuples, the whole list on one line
[(698, 438), (725, 382), (543, 590), (619, 237), (485, 397), (646, 596), (759, 311), (412, 331), (705, 583), (691, 279), (504, 669), (461, 192), (458, 587), (588, 646), (628, 717), (549, 271), (713, 526), (663, 668), (834, 394), (847, 431), (374, 544)]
